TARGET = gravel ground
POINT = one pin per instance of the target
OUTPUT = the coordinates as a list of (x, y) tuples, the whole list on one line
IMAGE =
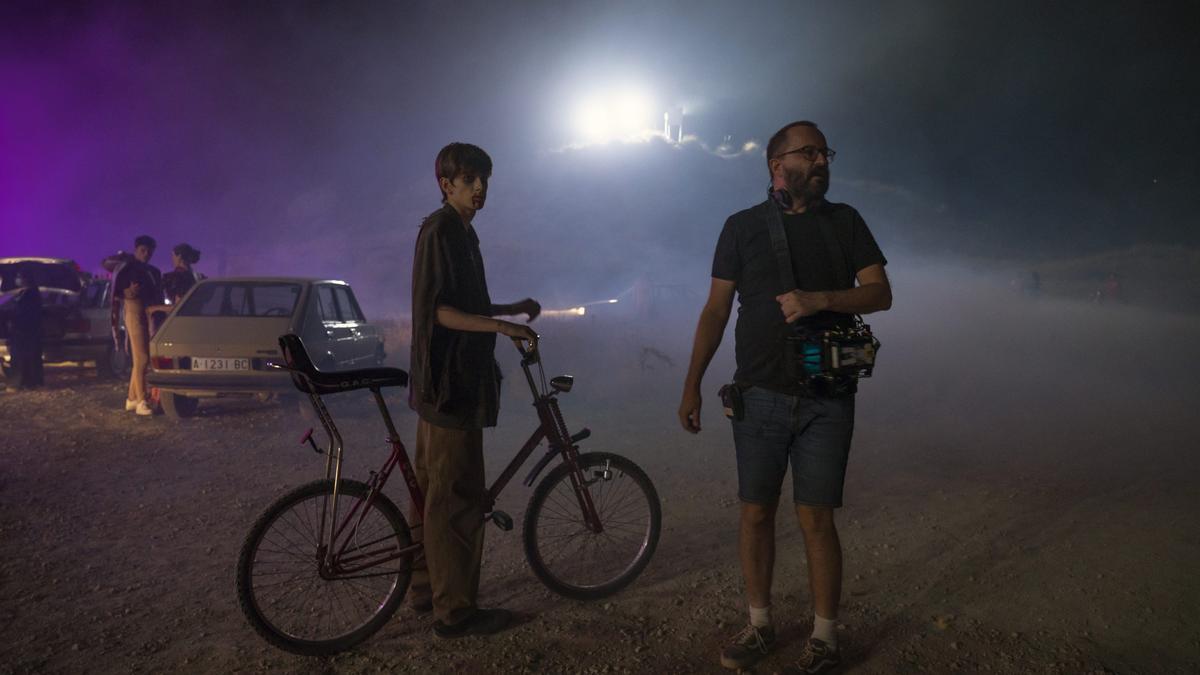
[(1034, 511)]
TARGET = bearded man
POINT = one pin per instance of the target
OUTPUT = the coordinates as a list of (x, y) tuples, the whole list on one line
[(782, 419)]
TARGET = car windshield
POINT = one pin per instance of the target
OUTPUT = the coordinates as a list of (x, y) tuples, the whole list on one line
[(46, 275), (242, 298)]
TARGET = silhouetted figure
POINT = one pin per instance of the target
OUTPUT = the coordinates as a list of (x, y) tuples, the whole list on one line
[(1110, 290), (137, 285), (180, 280), (175, 284), (1034, 288), (25, 336)]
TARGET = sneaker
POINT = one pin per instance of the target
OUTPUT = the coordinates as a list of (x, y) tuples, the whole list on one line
[(144, 409), (747, 647), (818, 657), (130, 406), (482, 622)]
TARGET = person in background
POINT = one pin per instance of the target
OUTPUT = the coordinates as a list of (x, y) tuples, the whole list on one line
[(25, 335), (175, 285), (180, 280), (137, 285)]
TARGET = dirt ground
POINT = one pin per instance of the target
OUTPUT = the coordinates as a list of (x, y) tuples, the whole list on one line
[(1021, 498)]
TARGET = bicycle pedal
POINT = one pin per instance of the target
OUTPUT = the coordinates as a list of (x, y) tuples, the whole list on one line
[(501, 520)]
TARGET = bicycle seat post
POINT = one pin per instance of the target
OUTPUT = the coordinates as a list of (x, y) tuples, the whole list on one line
[(335, 437), (387, 417)]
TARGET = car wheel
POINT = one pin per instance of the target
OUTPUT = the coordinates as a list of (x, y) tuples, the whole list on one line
[(178, 406), (114, 363)]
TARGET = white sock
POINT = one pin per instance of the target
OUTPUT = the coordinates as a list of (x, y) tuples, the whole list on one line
[(825, 630), (760, 617)]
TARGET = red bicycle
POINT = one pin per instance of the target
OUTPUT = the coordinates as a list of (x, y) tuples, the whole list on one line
[(328, 563)]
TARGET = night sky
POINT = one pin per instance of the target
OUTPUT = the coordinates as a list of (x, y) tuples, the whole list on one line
[(299, 138)]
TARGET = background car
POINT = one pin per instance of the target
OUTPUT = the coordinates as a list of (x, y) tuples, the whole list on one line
[(75, 314), (224, 332)]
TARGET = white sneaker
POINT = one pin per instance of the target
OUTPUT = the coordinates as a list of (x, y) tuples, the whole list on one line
[(144, 409), (130, 406)]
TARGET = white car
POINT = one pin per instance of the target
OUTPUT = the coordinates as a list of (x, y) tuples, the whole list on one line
[(223, 334)]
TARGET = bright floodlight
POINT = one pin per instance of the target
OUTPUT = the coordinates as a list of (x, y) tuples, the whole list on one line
[(614, 116)]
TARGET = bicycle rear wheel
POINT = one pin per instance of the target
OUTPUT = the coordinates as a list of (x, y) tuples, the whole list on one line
[(295, 605), (571, 559)]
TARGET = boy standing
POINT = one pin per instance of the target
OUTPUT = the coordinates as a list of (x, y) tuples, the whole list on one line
[(136, 286), (456, 393)]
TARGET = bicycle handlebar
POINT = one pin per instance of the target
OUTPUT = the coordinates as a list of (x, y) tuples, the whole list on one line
[(528, 356)]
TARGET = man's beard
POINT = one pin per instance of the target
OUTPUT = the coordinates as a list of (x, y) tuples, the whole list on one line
[(809, 191)]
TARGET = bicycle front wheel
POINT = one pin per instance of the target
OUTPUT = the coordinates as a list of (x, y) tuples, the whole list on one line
[(575, 561), (304, 607)]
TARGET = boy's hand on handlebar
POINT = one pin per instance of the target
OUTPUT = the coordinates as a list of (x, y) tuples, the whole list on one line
[(519, 334)]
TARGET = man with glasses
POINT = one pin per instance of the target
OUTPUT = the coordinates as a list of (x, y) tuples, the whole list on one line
[(780, 419)]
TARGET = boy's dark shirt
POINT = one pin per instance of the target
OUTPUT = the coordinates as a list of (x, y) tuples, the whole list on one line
[(744, 256), (149, 281), (455, 380), (148, 278)]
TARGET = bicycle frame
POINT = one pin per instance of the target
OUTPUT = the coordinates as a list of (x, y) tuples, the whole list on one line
[(335, 561)]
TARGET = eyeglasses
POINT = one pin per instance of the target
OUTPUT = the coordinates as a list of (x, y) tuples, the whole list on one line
[(810, 153)]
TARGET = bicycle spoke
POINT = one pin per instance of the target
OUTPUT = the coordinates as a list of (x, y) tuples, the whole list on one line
[(285, 576), (567, 547)]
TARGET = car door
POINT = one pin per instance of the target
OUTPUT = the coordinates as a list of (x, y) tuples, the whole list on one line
[(363, 335), (96, 309), (340, 338)]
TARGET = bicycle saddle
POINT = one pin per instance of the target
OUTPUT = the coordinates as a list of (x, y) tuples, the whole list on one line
[(308, 379)]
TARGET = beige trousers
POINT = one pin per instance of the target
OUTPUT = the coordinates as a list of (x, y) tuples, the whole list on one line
[(449, 468), (139, 348)]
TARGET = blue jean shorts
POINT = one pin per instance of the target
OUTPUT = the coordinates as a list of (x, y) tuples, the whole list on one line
[(812, 434)]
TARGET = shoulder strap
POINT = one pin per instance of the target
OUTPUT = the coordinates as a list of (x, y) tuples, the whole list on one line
[(783, 256)]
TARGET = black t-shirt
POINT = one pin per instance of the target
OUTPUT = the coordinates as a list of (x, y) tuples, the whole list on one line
[(744, 256), (146, 276), (178, 282)]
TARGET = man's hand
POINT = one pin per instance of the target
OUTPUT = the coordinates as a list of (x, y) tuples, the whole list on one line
[(529, 307), (796, 304), (131, 293), (689, 409), (518, 332)]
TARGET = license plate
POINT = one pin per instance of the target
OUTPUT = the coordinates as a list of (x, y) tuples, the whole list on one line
[(217, 363)]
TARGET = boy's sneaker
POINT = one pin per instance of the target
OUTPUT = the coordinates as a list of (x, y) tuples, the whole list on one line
[(482, 622), (818, 657), (144, 409), (130, 406), (747, 647)]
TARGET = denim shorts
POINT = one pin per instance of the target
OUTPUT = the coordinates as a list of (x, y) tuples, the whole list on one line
[(813, 434)]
